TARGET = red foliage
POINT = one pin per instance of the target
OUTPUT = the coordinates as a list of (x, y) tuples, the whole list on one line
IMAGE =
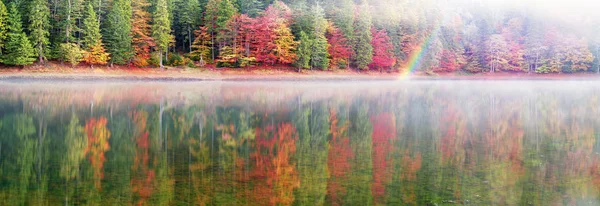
[(449, 62), (264, 32), (339, 50), (143, 175), (276, 175), (384, 130), (98, 144), (383, 56), (338, 160)]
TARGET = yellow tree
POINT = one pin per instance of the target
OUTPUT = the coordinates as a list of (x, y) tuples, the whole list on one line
[(141, 31)]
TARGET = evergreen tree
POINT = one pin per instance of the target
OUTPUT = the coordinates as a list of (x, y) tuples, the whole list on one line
[(210, 19), (3, 25), (18, 49), (225, 12), (319, 55), (161, 28), (92, 39), (38, 27), (185, 15), (362, 38), (344, 17), (303, 52), (117, 32), (141, 32)]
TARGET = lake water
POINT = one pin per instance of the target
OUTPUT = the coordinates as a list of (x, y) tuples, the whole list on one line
[(300, 143)]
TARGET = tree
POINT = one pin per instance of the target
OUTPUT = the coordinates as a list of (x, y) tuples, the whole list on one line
[(285, 44), (185, 14), (141, 32), (225, 12), (303, 52), (18, 50), (38, 27), (363, 49), (161, 28), (117, 32), (70, 52), (92, 39), (319, 55), (497, 53), (344, 17), (3, 26), (339, 51), (202, 47), (383, 56)]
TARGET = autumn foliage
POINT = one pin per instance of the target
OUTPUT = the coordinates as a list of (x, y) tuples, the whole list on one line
[(383, 57), (98, 136)]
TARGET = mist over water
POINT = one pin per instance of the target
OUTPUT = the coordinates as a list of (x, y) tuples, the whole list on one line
[(303, 143)]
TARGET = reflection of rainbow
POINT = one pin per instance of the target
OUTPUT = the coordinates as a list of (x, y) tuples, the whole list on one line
[(416, 56)]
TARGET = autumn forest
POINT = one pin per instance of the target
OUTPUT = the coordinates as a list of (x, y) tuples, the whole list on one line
[(383, 35)]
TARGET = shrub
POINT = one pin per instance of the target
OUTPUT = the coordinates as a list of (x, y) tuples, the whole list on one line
[(70, 52)]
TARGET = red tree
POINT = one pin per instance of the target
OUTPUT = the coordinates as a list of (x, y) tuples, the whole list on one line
[(264, 32), (339, 50), (449, 62), (383, 56)]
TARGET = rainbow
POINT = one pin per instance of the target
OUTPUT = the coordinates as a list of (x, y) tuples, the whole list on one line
[(416, 56)]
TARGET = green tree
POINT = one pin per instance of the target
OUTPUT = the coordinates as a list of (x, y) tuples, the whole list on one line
[(185, 15), (117, 32), (225, 12), (303, 52), (344, 17), (70, 52), (3, 25), (38, 27), (18, 49), (319, 55), (161, 28), (92, 39), (362, 37)]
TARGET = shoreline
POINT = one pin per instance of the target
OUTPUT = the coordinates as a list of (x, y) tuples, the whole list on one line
[(212, 74)]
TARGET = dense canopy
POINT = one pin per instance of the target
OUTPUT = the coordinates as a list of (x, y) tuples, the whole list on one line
[(382, 35)]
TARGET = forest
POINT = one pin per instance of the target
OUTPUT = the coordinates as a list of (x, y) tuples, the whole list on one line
[(466, 36)]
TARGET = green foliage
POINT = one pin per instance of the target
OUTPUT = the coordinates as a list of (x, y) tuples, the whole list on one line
[(320, 56), (161, 30), (363, 49), (71, 53), (18, 50), (175, 60), (3, 25), (38, 27), (303, 52), (117, 32)]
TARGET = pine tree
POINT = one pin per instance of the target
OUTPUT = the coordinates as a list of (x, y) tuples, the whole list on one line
[(3, 26), (161, 28), (210, 20), (319, 55), (225, 12), (18, 49), (362, 37), (185, 15), (344, 17), (303, 52), (95, 53), (117, 32), (141, 32), (38, 27)]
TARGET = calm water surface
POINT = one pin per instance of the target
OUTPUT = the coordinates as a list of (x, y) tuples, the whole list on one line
[(300, 143)]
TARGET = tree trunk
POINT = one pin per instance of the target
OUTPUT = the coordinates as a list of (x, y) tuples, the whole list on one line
[(160, 59)]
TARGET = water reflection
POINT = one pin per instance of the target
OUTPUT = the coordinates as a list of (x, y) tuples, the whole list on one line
[(345, 143)]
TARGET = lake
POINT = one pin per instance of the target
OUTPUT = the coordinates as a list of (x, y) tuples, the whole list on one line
[(300, 143)]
